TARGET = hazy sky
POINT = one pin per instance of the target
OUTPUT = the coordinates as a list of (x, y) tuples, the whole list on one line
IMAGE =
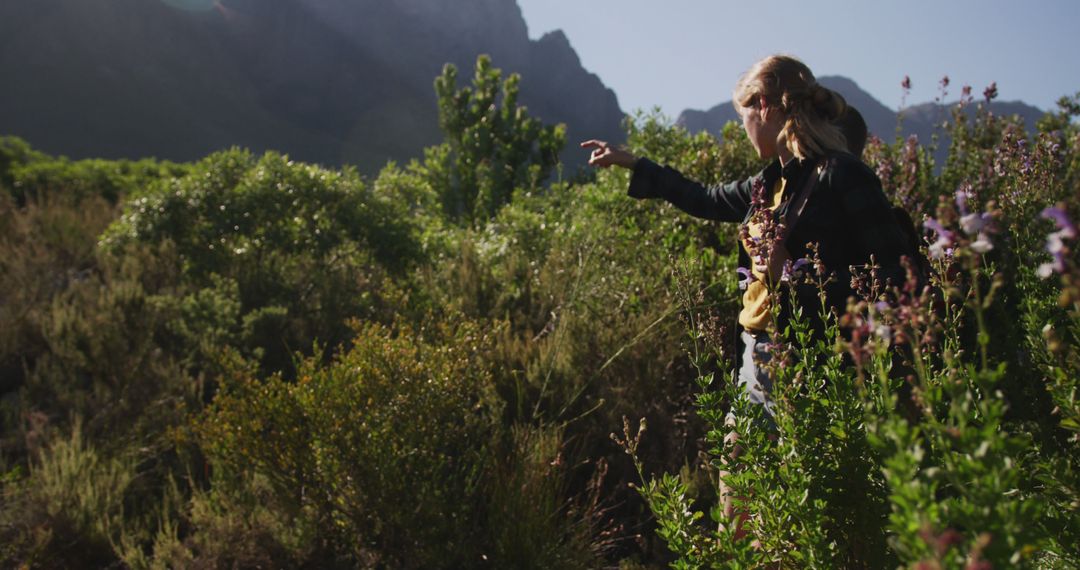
[(683, 54)]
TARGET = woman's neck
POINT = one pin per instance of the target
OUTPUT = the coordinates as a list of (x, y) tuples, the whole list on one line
[(784, 154)]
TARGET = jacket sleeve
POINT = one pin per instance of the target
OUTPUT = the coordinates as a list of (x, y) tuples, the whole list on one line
[(725, 203)]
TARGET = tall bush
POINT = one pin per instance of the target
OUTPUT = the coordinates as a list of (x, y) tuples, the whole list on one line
[(492, 147)]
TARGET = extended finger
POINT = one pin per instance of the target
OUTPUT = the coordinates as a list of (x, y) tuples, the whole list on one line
[(593, 143)]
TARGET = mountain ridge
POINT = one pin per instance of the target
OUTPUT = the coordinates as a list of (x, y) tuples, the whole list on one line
[(921, 120), (328, 81)]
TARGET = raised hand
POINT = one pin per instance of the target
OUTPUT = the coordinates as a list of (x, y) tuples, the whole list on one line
[(604, 155)]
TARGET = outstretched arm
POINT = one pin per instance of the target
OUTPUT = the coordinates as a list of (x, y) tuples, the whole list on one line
[(726, 203)]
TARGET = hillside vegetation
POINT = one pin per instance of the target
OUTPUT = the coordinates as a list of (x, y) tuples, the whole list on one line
[(247, 361)]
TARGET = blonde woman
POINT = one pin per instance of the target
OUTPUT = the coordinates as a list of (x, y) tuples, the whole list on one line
[(813, 191)]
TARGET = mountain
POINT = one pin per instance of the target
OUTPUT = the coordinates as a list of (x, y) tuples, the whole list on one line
[(880, 120), (918, 120), (328, 81)]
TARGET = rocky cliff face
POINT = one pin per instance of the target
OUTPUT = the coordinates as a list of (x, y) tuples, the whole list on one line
[(330, 81)]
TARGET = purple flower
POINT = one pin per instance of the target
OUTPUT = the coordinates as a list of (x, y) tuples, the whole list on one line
[(945, 238), (906, 83), (939, 250), (1068, 230), (1054, 244), (982, 244), (962, 198), (1055, 266), (975, 223), (746, 278), (793, 270), (932, 224), (757, 193), (884, 332), (991, 92), (879, 329), (759, 263), (1056, 247)]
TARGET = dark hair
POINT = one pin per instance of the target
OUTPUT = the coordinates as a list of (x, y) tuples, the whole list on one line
[(853, 127)]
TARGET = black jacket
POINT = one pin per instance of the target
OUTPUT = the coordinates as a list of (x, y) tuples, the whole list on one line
[(847, 214)]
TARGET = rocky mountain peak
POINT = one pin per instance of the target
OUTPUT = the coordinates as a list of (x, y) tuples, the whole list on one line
[(329, 81)]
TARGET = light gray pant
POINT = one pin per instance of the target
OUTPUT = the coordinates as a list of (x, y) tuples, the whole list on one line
[(753, 377)]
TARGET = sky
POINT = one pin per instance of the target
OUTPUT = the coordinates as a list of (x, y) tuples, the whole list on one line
[(681, 54)]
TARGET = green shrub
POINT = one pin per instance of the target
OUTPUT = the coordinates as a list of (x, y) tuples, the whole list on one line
[(69, 511), (343, 444), (28, 174), (469, 338), (304, 248), (492, 147)]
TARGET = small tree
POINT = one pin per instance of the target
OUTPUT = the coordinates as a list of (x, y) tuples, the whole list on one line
[(492, 146)]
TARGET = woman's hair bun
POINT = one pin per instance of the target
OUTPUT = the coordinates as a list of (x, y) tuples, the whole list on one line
[(828, 103)]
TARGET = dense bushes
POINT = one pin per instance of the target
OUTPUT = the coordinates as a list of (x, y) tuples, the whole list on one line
[(393, 419), (252, 362), (937, 445), (283, 253), (27, 174)]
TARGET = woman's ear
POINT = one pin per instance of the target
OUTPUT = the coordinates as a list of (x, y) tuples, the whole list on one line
[(763, 107)]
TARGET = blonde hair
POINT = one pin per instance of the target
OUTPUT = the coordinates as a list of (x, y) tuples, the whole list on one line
[(809, 109)]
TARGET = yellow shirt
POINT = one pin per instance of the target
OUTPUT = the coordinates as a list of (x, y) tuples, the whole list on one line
[(755, 315)]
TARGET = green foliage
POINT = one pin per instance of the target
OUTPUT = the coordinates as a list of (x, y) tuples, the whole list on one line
[(43, 246), (492, 146), (70, 510), (299, 248), (234, 207), (916, 433), (27, 174), (249, 362), (15, 152), (343, 450), (80, 334)]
